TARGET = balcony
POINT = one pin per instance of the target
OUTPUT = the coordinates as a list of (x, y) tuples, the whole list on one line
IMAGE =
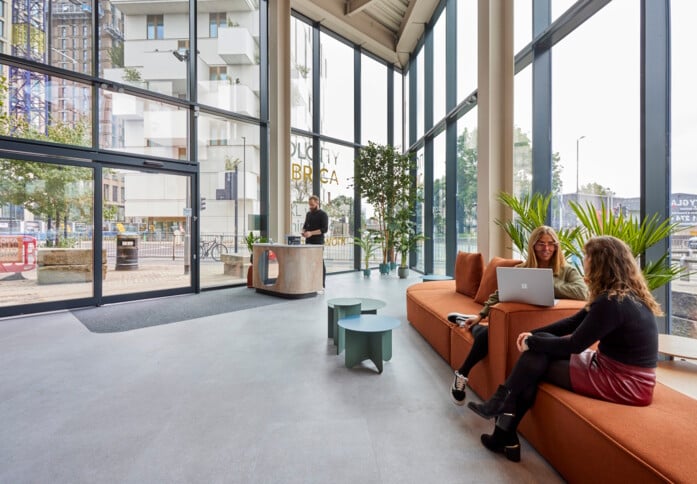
[(236, 45)]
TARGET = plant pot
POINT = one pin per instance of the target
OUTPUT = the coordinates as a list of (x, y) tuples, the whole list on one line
[(366, 272), (403, 272), (384, 268), (393, 266)]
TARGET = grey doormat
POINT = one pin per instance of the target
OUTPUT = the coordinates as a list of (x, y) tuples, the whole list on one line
[(121, 317)]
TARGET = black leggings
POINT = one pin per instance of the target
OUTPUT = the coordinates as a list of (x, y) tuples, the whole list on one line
[(480, 348), (532, 368)]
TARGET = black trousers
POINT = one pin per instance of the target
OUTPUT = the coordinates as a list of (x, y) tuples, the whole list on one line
[(480, 348), (532, 368)]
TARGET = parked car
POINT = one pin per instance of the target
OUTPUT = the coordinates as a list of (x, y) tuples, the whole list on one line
[(692, 243)]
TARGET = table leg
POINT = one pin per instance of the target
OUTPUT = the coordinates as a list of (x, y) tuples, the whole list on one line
[(330, 322), (339, 313)]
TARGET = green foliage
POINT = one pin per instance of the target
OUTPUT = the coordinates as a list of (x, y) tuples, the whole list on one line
[(385, 179), (252, 239), (369, 244), (131, 74), (116, 55), (406, 240), (639, 235)]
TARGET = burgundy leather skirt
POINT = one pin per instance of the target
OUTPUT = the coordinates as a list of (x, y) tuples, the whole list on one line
[(595, 375)]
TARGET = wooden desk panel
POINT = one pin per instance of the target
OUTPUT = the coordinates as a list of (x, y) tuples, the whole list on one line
[(299, 269)]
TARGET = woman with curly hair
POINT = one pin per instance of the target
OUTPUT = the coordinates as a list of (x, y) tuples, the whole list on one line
[(620, 315)]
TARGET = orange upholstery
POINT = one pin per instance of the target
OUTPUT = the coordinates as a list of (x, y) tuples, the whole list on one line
[(489, 284), (506, 322), (586, 440), (469, 268), (589, 440)]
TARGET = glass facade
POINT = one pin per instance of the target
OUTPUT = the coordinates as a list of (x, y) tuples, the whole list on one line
[(171, 123)]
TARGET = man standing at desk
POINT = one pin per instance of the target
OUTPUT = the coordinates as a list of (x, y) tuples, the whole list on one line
[(315, 226)]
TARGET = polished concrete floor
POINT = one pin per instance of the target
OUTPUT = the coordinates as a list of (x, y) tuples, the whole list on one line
[(253, 396)]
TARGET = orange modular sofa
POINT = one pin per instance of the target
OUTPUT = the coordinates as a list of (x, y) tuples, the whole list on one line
[(583, 438)]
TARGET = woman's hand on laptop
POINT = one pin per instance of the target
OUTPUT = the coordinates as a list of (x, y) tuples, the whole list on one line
[(521, 342)]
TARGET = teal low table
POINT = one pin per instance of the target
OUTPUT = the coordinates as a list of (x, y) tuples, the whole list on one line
[(435, 277), (368, 306), (368, 337)]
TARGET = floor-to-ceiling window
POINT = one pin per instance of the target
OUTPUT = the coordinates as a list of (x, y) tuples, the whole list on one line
[(339, 102), (683, 164), (102, 116)]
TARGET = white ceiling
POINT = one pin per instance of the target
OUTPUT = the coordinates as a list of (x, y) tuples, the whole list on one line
[(389, 29)]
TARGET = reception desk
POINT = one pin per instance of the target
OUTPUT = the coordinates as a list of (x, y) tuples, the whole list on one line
[(291, 271)]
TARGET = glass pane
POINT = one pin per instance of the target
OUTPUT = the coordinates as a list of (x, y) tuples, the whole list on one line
[(595, 118), (229, 181), (46, 32), (522, 24), (300, 180), (42, 107), (146, 235), (420, 94), (439, 214), (337, 109), (154, 52), (683, 320), (420, 208), (559, 7), (466, 48), (522, 133), (46, 214), (398, 112), (373, 101), (300, 74), (336, 182), (466, 216), (438, 73), (228, 57), (136, 125)]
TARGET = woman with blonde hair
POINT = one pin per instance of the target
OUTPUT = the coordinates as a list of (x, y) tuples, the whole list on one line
[(543, 252), (620, 315)]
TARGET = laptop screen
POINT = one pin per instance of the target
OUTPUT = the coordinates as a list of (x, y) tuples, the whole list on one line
[(526, 285)]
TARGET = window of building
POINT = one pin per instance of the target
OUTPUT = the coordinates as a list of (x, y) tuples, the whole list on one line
[(155, 27), (115, 193), (216, 20), (217, 73), (105, 192)]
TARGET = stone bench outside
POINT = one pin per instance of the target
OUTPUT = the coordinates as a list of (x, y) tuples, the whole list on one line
[(58, 266), (234, 264)]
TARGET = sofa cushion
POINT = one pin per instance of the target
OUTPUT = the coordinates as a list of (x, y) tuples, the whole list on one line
[(469, 268), (489, 284)]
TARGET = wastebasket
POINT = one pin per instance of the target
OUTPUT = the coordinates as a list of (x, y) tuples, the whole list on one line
[(126, 252)]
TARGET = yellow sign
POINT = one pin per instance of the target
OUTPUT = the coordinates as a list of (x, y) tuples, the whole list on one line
[(304, 173)]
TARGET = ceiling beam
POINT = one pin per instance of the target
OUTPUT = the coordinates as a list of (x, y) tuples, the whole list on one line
[(356, 6)]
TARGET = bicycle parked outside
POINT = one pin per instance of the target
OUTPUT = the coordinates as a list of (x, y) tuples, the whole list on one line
[(212, 248)]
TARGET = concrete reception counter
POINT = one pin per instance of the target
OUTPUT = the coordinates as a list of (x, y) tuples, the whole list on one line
[(298, 269)]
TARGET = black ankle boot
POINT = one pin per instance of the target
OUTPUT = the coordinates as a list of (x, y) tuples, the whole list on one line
[(499, 405), (503, 442)]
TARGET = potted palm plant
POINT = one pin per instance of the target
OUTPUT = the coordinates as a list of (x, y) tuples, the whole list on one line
[(250, 240), (368, 244), (532, 211), (405, 242)]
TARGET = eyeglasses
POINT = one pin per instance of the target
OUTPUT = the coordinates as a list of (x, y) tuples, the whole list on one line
[(542, 245)]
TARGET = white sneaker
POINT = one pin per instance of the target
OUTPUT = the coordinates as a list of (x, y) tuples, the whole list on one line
[(457, 390)]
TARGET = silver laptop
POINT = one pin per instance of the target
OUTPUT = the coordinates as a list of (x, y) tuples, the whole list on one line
[(522, 284)]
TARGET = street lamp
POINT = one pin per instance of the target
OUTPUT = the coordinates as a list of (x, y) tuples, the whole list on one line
[(577, 163)]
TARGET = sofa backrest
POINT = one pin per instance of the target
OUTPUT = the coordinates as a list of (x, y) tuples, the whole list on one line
[(469, 267), (489, 283)]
